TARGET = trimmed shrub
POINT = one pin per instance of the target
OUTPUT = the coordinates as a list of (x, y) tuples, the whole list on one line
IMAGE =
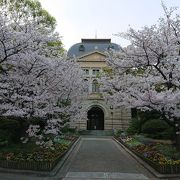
[(154, 125), (157, 129)]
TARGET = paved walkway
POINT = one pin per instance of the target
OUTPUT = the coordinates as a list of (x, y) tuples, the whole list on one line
[(94, 158), (102, 158)]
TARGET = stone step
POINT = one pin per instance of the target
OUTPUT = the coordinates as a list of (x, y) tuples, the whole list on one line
[(104, 175), (97, 132)]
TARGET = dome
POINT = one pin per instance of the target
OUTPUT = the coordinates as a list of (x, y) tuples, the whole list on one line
[(89, 45)]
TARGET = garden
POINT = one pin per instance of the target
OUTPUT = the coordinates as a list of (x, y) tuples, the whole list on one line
[(28, 153), (152, 141)]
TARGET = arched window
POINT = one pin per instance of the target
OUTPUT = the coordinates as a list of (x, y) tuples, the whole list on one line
[(95, 86), (86, 84)]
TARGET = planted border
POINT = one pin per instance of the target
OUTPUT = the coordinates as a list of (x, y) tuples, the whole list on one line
[(32, 165), (163, 169)]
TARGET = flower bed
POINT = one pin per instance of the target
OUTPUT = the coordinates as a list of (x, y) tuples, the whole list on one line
[(39, 159), (152, 155)]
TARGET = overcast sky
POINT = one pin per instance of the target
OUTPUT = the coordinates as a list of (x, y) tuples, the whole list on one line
[(78, 19)]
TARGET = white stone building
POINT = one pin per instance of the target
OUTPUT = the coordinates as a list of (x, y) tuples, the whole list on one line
[(100, 115)]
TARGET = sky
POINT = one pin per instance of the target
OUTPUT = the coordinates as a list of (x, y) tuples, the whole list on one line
[(77, 19)]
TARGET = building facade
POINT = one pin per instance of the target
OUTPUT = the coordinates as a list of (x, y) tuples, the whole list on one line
[(100, 115)]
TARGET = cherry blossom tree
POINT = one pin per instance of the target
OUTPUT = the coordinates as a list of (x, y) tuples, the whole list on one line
[(36, 78), (146, 74)]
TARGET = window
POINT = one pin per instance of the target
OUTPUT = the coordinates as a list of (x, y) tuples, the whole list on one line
[(86, 85), (95, 86), (81, 48), (110, 47), (86, 71), (95, 72)]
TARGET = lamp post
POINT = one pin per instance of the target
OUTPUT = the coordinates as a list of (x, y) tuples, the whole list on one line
[(79, 107), (111, 107)]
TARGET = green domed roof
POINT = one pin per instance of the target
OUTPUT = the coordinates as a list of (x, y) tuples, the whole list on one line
[(89, 45)]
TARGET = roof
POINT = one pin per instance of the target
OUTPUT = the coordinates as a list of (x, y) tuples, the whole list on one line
[(96, 40), (87, 46), (92, 52)]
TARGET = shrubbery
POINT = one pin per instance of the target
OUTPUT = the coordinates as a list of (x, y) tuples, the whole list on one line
[(154, 125), (12, 129), (150, 124), (134, 127), (9, 130), (158, 129), (139, 118)]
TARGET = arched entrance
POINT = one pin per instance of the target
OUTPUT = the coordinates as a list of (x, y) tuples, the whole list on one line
[(95, 119)]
